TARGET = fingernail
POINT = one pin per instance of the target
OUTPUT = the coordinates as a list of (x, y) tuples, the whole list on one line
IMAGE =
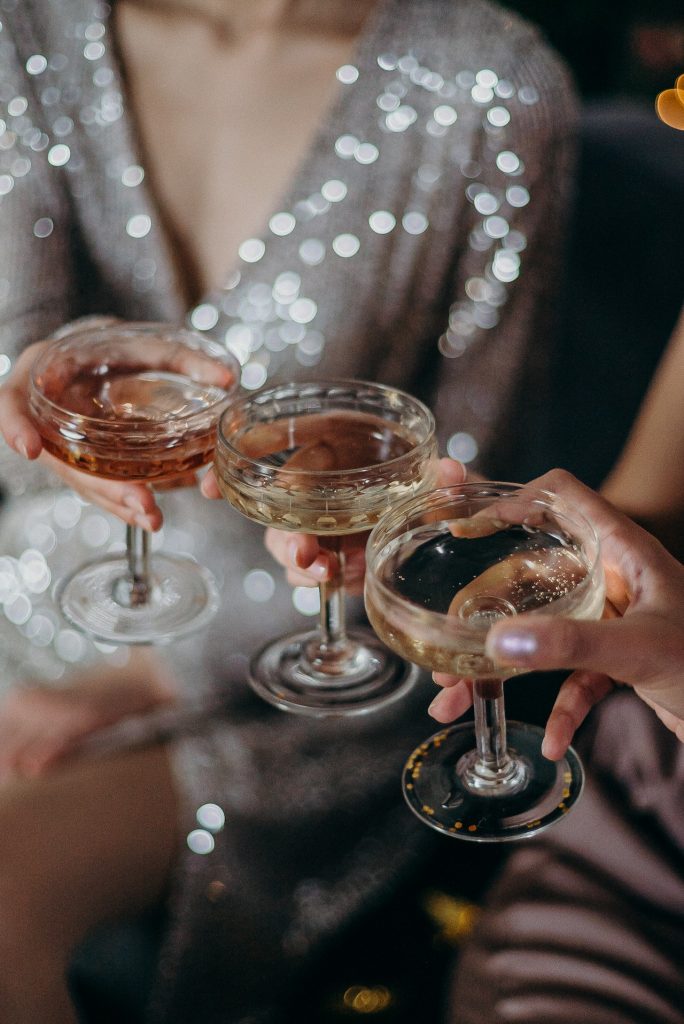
[(20, 446), (545, 747), (318, 571), (144, 522), (293, 554), (134, 502), (435, 702), (512, 645)]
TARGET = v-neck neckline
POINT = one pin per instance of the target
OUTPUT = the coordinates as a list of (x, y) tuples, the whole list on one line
[(316, 153)]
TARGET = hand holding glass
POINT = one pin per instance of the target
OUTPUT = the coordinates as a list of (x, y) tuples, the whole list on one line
[(326, 458), (136, 402), (442, 568)]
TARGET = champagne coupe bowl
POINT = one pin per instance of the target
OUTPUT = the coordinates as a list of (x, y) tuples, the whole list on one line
[(136, 402), (441, 569), (326, 458)]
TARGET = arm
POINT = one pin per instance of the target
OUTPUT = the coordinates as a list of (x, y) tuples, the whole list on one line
[(39, 289), (648, 478)]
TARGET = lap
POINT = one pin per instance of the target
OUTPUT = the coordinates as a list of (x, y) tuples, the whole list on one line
[(90, 841)]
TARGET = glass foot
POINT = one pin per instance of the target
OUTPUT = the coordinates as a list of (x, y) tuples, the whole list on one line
[(183, 599), (533, 793), (374, 677)]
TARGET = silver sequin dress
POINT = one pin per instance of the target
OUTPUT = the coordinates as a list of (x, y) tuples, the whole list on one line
[(419, 245)]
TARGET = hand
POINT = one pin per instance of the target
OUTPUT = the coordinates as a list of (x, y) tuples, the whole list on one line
[(41, 725), (308, 564), (132, 502), (640, 643)]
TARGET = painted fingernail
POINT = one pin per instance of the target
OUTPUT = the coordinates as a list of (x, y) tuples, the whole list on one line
[(519, 646)]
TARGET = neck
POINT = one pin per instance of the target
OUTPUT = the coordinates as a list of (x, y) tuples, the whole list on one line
[(236, 18)]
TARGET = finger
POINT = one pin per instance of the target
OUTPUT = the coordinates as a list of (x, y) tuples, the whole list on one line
[(445, 679), (453, 702), (576, 697), (134, 503), (450, 473), (209, 487), (317, 572), (16, 425), (201, 367), (152, 521), (621, 648), (292, 550)]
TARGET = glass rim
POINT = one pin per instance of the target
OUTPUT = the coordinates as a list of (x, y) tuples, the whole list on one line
[(466, 490), (130, 328), (244, 400)]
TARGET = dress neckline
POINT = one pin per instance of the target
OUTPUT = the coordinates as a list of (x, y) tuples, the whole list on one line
[(316, 153)]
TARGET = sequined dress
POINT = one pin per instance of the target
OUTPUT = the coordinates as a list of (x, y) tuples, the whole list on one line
[(418, 245)]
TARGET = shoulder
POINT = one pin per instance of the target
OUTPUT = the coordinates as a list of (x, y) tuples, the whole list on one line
[(470, 35)]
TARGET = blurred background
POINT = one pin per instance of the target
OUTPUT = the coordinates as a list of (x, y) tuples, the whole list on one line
[(622, 294)]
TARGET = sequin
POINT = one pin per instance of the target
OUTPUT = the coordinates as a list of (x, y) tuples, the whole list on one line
[(334, 190), (132, 176), (252, 250), (282, 224), (445, 115), (347, 74), (43, 227), (366, 153), (508, 162), (346, 146), (93, 51), (139, 225), (414, 222), (382, 221), (59, 155), (312, 252), (200, 841), (346, 245), (499, 117), (36, 64)]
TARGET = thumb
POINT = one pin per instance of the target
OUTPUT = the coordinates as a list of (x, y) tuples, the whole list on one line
[(644, 650)]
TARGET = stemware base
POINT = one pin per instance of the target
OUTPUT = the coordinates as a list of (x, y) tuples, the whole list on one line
[(282, 674), (183, 598), (533, 793)]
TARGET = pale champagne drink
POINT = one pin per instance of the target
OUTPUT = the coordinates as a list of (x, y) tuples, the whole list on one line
[(326, 458), (442, 568), (136, 402)]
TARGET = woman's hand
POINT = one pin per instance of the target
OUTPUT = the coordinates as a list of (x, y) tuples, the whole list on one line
[(307, 563), (133, 502), (41, 725), (640, 643)]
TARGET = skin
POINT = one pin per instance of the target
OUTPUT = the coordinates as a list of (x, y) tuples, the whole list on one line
[(641, 643)]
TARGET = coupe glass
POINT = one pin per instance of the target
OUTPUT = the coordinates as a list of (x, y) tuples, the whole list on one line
[(326, 458), (442, 568), (136, 402)]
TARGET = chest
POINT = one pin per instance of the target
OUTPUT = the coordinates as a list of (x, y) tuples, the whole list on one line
[(224, 128)]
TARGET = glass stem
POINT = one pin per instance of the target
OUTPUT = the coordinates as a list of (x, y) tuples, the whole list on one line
[(332, 653), (332, 617), (490, 725), (139, 582)]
